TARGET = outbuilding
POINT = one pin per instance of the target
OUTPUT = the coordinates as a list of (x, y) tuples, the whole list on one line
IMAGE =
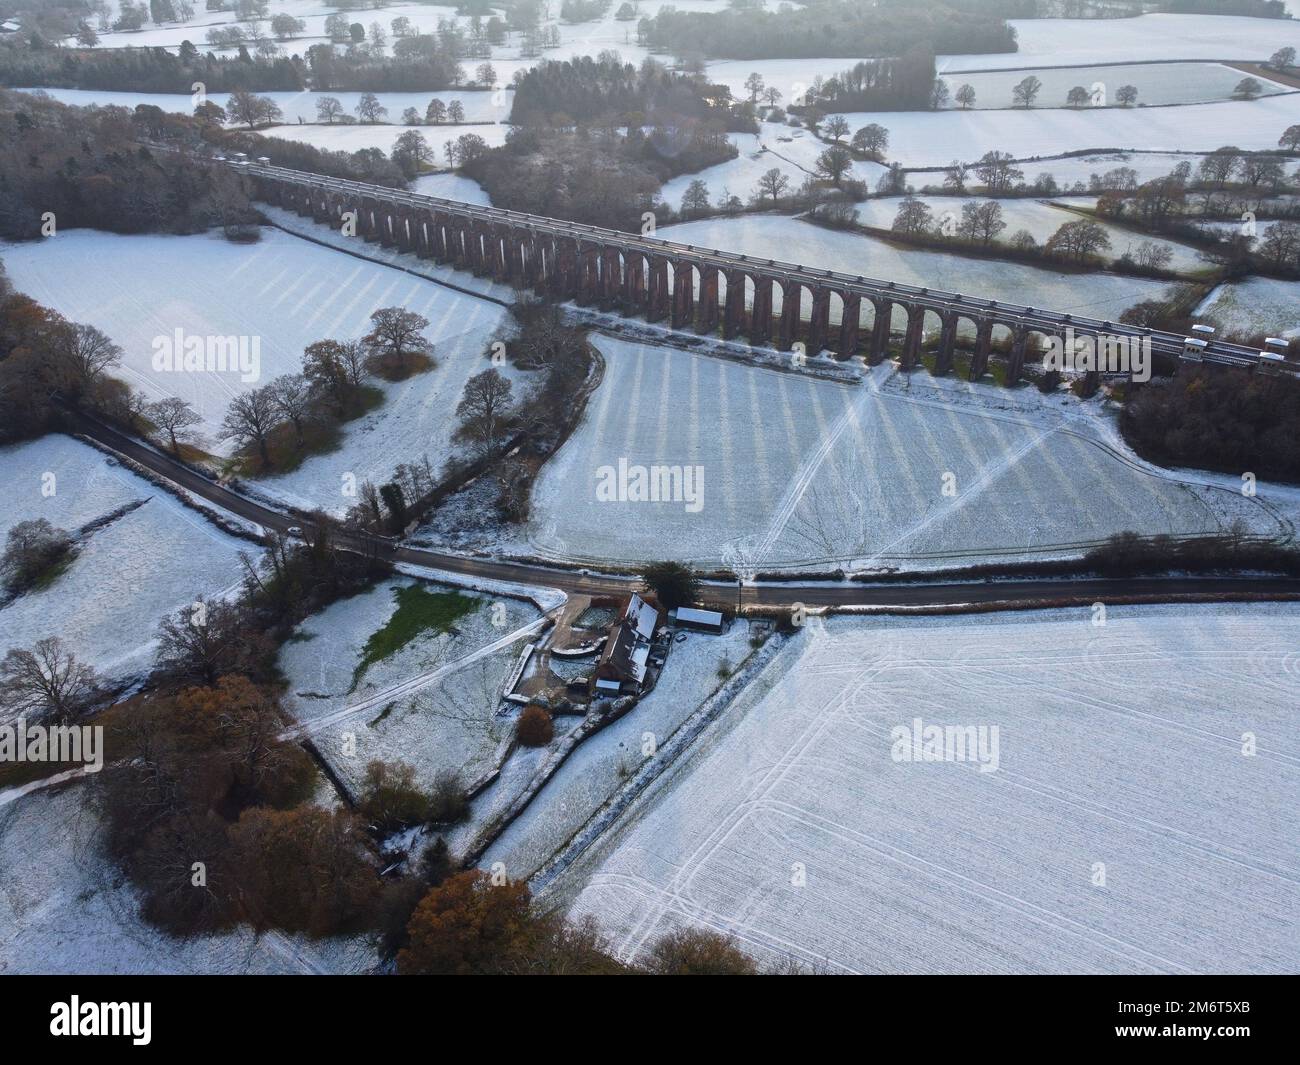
[(688, 617)]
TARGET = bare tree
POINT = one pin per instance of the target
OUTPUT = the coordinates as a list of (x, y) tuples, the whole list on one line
[(1026, 91), (981, 222), (395, 334), (328, 108), (201, 641), (484, 409), (47, 682), (1078, 240), (837, 128), (772, 183), (291, 396), (251, 109), (173, 416), (872, 140), (250, 419)]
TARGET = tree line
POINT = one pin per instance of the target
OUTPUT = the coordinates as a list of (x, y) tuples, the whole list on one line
[(69, 167)]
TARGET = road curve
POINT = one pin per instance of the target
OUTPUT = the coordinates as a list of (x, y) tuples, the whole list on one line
[(919, 595)]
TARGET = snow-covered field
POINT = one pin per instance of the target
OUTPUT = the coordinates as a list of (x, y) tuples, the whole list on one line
[(432, 704), (1256, 305), (1042, 218), (1147, 38), (935, 138), (65, 909), (1080, 168), (149, 562), (312, 12), (479, 106), (759, 153), (450, 186), (284, 291), (800, 472), (1123, 830), (383, 136), (792, 240), (1157, 84)]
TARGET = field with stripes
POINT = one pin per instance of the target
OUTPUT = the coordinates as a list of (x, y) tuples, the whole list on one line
[(799, 471), (287, 293), (1124, 829)]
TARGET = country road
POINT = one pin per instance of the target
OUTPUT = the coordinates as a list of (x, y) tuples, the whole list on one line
[(922, 595)]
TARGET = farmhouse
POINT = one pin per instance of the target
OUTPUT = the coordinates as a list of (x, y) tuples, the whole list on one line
[(627, 650)]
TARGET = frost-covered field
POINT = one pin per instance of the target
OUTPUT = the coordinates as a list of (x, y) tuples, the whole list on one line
[(935, 138), (1256, 305), (1124, 830), (312, 12), (129, 573), (283, 290), (759, 153), (1067, 172), (65, 909), (384, 135), (799, 471), (451, 186), (1042, 218), (431, 704), (1056, 42), (1157, 83), (479, 106), (792, 240)]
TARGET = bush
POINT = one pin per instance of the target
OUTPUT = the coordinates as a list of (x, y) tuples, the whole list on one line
[(699, 952), (448, 801), (535, 728), (34, 551), (390, 800)]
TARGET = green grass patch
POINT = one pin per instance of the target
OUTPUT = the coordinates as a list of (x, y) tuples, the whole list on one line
[(418, 611), (54, 570)]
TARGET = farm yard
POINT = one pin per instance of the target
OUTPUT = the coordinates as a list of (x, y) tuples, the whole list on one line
[(1122, 830)]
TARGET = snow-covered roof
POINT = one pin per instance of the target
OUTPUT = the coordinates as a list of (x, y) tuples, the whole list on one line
[(641, 616), (691, 616)]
